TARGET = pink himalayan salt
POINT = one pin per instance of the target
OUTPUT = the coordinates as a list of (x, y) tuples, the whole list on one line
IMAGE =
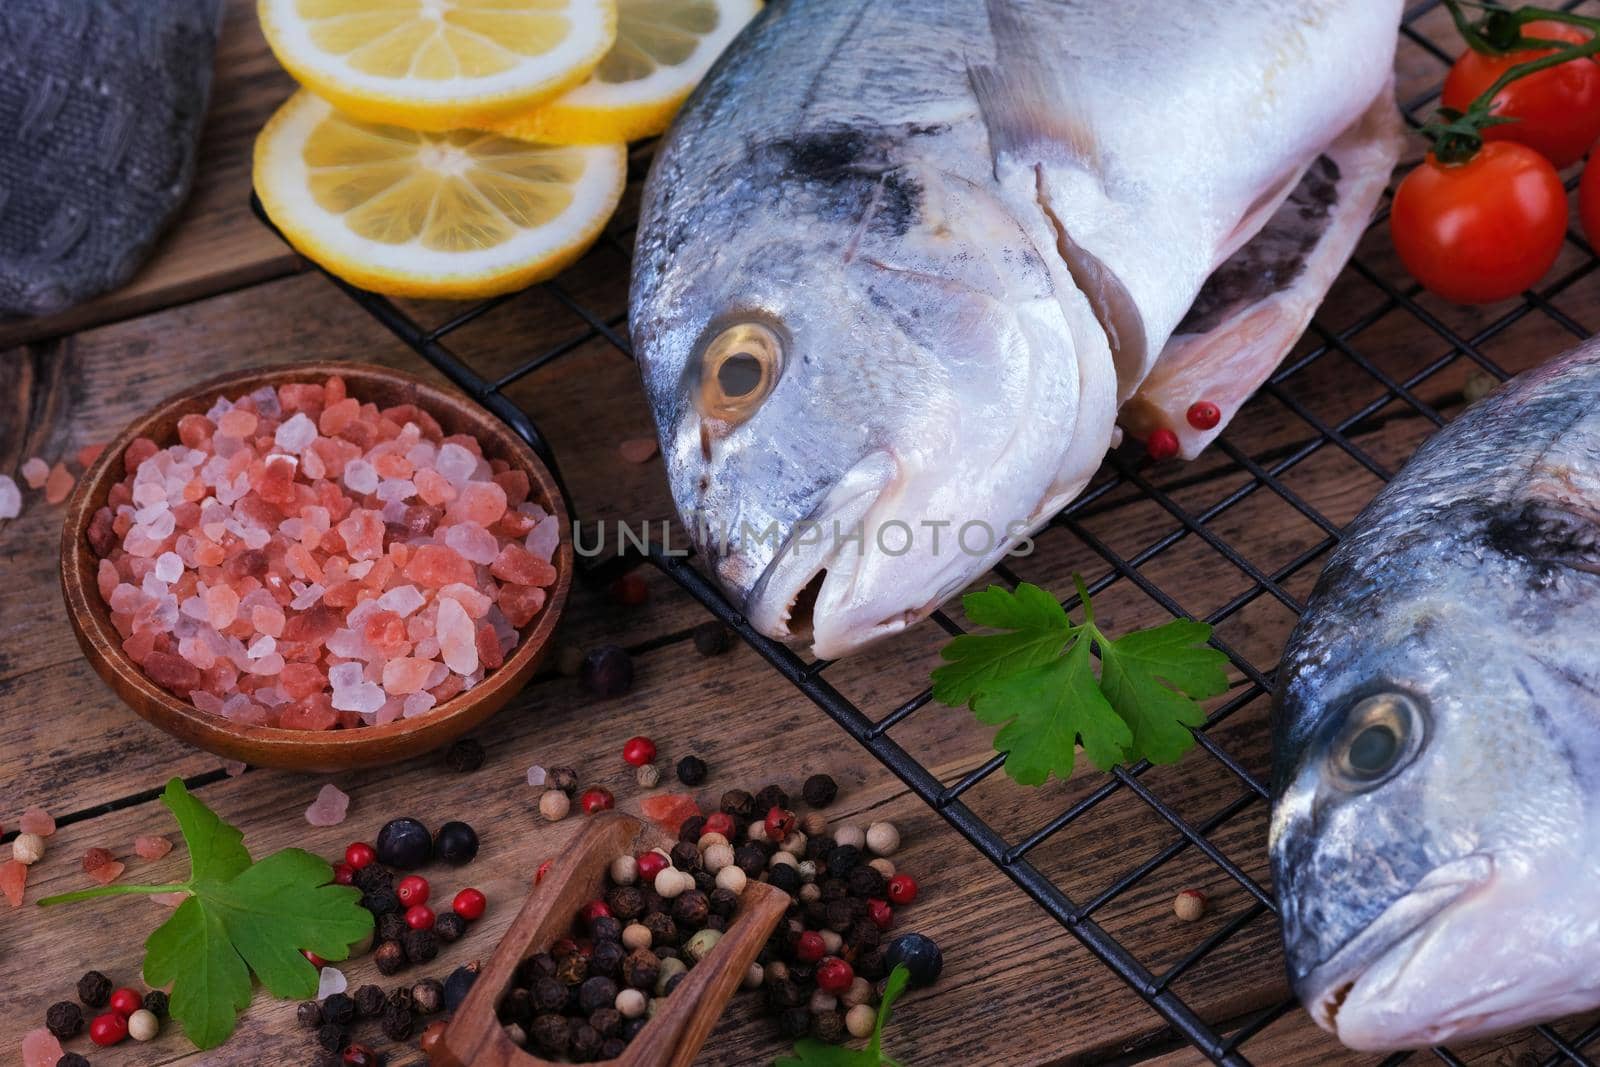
[(10, 498), (405, 674), (34, 471), (233, 768), (89, 453), (638, 449), (13, 880), (102, 866), (59, 485), (169, 900), (518, 566), (37, 821), (222, 606), (436, 566), (329, 808), (480, 502), (520, 603), (151, 846), (237, 423), (457, 638), (40, 1048)]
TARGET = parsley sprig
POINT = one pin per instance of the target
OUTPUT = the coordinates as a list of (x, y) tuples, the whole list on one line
[(809, 1052), (241, 916), (1036, 681)]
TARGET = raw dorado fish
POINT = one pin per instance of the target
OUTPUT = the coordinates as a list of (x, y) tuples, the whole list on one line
[(901, 261), (1436, 747)]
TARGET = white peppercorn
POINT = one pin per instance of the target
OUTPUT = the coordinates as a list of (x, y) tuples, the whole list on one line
[(732, 878), (882, 839), (671, 882), (709, 839), (860, 992), (787, 859), (647, 776), (1189, 905), (624, 870), (554, 805), (823, 1002), (757, 831), (143, 1025), (853, 836), (831, 942), (517, 1034), (636, 936), (631, 1003), (814, 824), (717, 857), (861, 1020), (27, 849), (795, 843)]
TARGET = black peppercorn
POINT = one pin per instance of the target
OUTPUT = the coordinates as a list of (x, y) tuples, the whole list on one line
[(870, 965), (605, 928), (596, 993), (517, 1007), (458, 985), (631, 1027), (420, 945), (652, 900), (828, 1026), (373, 876), (691, 909), (865, 881), (863, 934), (369, 1001), (692, 770), (840, 917), (94, 989), (719, 923), (723, 901), (586, 1041), (450, 927), (815, 912), (819, 790), (673, 982), (380, 901), (663, 931), (399, 997), (562, 778), (750, 858), (563, 948), (738, 803), (785, 877), (309, 1015), (607, 1021), (842, 859), (685, 856), (641, 968), (834, 889), (72, 1059), (625, 901), (333, 1038), (771, 796), (712, 638), (612, 1047), (548, 994), (784, 993), (572, 970), (704, 881), (794, 1023), (689, 832), (391, 927), (606, 672), (155, 1002), (667, 952), (606, 958), (802, 973), (539, 965), (338, 1008), (390, 957), (465, 756), (64, 1020), (397, 1024), (550, 1034), (427, 996), (817, 848)]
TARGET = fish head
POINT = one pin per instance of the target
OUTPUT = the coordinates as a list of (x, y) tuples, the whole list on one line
[(1429, 832), (849, 359)]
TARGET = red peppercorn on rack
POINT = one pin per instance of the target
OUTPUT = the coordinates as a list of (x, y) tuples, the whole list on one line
[(1235, 539)]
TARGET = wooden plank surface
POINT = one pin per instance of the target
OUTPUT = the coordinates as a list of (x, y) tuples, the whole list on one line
[(1019, 990)]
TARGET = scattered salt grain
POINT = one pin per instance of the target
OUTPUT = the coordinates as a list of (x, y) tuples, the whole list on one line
[(10, 498), (329, 808), (40, 1048), (37, 821), (58, 485), (233, 768), (169, 900), (13, 881), (151, 846), (330, 981), (34, 472), (537, 776)]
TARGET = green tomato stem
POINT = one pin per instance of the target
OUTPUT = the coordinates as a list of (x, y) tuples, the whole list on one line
[(111, 891)]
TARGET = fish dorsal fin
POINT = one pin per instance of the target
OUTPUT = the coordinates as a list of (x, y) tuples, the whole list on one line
[(1027, 104)]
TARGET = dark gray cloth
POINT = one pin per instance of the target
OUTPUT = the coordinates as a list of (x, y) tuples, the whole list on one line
[(101, 104)]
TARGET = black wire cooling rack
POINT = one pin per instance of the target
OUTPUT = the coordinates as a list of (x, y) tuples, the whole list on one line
[(1338, 354)]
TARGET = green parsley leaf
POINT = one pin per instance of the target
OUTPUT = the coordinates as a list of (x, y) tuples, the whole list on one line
[(240, 917), (809, 1052), (1037, 683)]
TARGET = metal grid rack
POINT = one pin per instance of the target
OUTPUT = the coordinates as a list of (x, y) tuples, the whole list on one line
[(1265, 474)]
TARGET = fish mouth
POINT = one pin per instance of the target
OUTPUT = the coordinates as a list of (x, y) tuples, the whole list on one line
[(1371, 964), (816, 564)]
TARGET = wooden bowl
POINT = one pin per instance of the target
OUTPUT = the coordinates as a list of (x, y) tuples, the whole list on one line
[(674, 1035), (306, 750)]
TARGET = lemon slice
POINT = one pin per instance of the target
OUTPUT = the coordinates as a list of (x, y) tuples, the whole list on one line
[(663, 49), (438, 64), (457, 215)]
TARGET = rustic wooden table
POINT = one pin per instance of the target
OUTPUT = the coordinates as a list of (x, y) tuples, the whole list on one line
[(224, 293)]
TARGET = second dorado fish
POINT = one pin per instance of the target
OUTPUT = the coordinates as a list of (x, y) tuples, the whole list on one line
[(900, 262)]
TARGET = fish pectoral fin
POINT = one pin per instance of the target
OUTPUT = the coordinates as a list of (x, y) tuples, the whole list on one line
[(1255, 306), (1026, 104)]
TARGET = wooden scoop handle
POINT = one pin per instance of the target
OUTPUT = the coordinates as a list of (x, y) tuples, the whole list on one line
[(475, 1037)]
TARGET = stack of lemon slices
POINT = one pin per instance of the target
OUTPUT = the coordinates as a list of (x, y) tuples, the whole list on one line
[(462, 148)]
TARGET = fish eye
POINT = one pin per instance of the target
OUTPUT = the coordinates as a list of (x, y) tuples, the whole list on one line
[(1380, 735), (739, 367)]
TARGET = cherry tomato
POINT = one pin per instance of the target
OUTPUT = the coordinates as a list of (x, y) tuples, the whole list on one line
[(1589, 203), (1483, 230), (1558, 108)]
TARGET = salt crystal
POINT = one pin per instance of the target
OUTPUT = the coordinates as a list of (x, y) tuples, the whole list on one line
[(396, 489), (349, 644), (10, 498), (268, 665), (404, 675), (169, 567), (360, 570), (544, 538), (295, 434), (331, 980), (41, 1048), (13, 881), (537, 776), (360, 477), (222, 605), (329, 808), (402, 600), (418, 704), (472, 541), (152, 586), (266, 399), (233, 768), (37, 821), (151, 846), (255, 537), (363, 698), (261, 646), (455, 463), (308, 597), (421, 454), (58, 485), (457, 638), (345, 675), (439, 674), (170, 900), (207, 702), (34, 472), (428, 648)]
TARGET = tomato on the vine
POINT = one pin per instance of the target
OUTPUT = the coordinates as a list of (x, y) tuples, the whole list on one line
[(1483, 230), (1558, 110)]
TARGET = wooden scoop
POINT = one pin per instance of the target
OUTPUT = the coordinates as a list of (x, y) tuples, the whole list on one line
[(476, 1038)]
